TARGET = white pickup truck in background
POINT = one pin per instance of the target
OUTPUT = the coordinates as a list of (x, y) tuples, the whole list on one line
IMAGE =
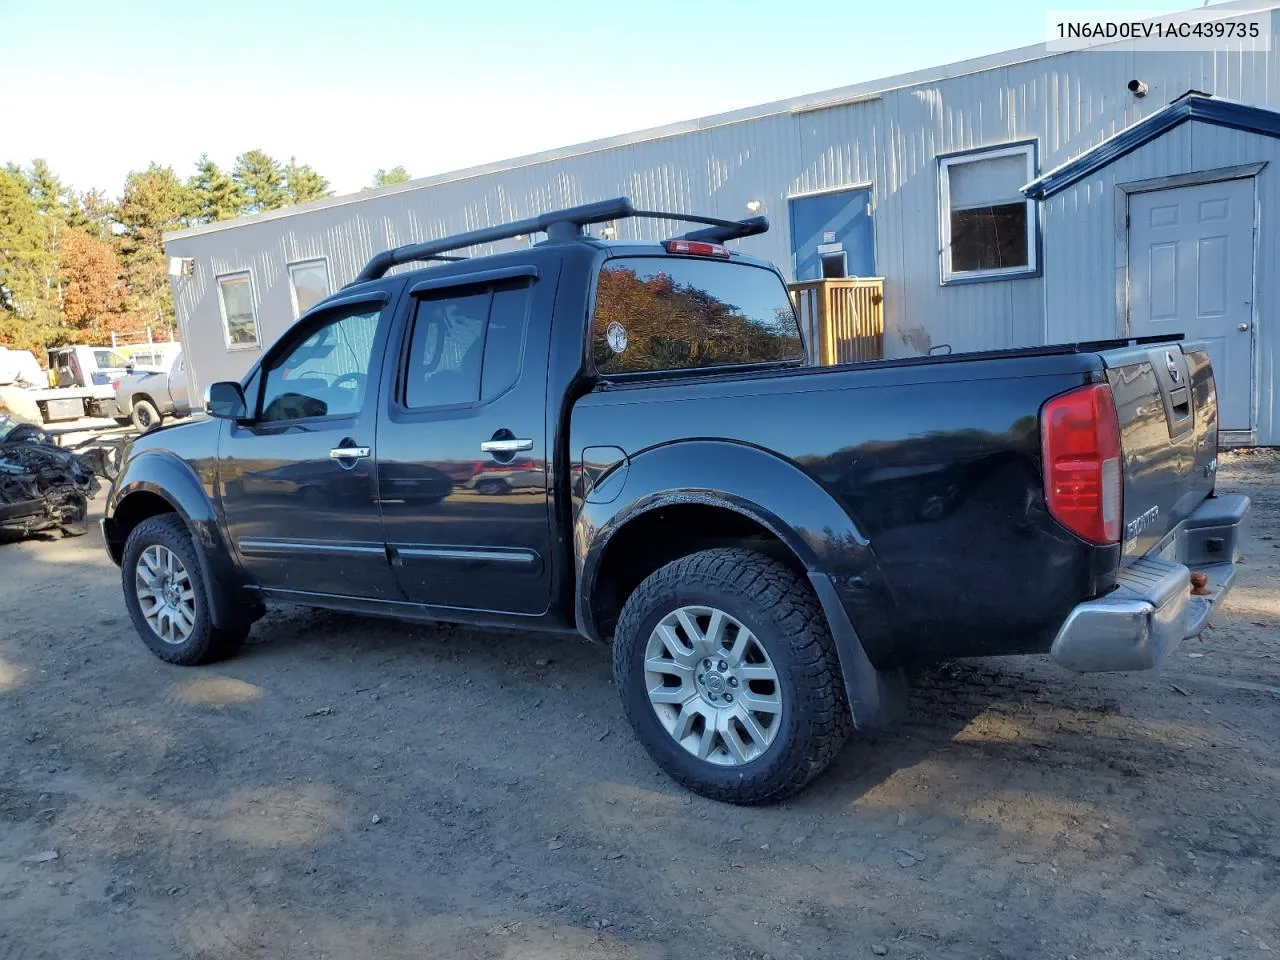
[(81, 383)]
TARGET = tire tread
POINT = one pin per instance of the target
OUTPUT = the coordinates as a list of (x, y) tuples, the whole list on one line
[(816, 667), (211, 644)]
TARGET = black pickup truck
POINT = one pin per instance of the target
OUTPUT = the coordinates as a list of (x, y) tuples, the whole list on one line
[(624, 440)]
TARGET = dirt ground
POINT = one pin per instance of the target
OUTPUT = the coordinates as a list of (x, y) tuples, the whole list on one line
[(353, 788)]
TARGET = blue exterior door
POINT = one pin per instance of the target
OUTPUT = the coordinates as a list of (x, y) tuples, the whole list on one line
[(831, 235)]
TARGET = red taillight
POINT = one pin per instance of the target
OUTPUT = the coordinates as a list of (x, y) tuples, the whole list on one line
[(697, 248), (1080, 439)]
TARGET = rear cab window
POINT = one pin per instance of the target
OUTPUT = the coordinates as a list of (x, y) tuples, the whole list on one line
[(663, 313)]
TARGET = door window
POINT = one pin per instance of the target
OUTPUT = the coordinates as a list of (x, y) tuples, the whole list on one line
[(466, 347), (325, 372)]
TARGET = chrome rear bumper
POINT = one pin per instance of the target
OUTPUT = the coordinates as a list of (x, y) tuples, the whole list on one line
[(1153, 608)]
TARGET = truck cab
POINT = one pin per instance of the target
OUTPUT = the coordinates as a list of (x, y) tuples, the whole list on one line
[(85, 366)]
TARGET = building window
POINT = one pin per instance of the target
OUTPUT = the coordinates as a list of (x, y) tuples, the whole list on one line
[(239, 315), (988, 227), (308, 284)]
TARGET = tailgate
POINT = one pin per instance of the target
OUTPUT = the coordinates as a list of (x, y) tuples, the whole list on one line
[(1168, 411)]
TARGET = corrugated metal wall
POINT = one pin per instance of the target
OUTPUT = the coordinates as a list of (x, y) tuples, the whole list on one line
[(1066, 102), (1084, 292)]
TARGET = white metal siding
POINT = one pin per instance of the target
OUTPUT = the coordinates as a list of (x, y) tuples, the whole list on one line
[(1086, 245), (1066, 102)]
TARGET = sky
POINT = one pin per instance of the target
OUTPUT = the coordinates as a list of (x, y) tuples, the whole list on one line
[(102, 87)]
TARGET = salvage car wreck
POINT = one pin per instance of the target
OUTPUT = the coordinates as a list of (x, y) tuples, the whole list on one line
[(42, 487)]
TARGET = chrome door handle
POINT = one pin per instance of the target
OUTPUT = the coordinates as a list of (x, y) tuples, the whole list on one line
[(348, 453), (1244, 327), (506, 446)]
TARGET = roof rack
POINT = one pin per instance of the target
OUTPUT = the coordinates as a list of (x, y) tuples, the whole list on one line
[(558, 225)]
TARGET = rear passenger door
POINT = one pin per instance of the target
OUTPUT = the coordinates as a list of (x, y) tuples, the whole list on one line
[(462, 460)]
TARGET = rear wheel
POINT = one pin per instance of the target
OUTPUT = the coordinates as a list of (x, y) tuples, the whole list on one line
[(145, 416), (729, 676), (165, 594)]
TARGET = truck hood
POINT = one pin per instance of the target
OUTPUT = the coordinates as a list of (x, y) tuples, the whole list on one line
[(199, 433)]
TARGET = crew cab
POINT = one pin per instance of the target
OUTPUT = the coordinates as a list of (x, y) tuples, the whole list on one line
[(624, 440)]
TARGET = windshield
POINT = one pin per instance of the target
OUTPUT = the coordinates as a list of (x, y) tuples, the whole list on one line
[(677, 313)]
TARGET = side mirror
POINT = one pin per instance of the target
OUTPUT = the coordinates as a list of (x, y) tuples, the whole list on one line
[(225, 399)]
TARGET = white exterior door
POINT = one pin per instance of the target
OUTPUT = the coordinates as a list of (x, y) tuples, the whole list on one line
[(1191, 272)]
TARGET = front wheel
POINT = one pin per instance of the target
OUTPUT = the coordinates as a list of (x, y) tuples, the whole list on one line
[(166, 598), (729, 676)]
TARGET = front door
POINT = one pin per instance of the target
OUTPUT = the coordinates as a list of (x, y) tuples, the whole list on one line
[(462, 451), (1191, 272), (831, 235), (298, 484)]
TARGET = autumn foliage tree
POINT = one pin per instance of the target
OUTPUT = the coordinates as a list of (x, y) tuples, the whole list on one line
[(76, 267), (93, 292)]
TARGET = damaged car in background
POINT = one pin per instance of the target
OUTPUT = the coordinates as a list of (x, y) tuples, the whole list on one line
[(42, 487)]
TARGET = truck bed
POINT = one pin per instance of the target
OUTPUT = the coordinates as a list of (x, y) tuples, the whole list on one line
[(938, 461)]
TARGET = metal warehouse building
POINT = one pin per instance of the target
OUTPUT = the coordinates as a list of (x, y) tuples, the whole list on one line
[(1022, 198)]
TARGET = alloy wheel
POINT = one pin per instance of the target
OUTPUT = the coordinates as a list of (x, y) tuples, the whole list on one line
[(165, 594), (712, 685)]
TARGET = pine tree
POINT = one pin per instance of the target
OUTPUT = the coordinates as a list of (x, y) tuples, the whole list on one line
[(154, 200), (384, 178), (51, 199), (218, 197), (47, 191), (28, 305), (262, 181), (301, 183), (91, 212)]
